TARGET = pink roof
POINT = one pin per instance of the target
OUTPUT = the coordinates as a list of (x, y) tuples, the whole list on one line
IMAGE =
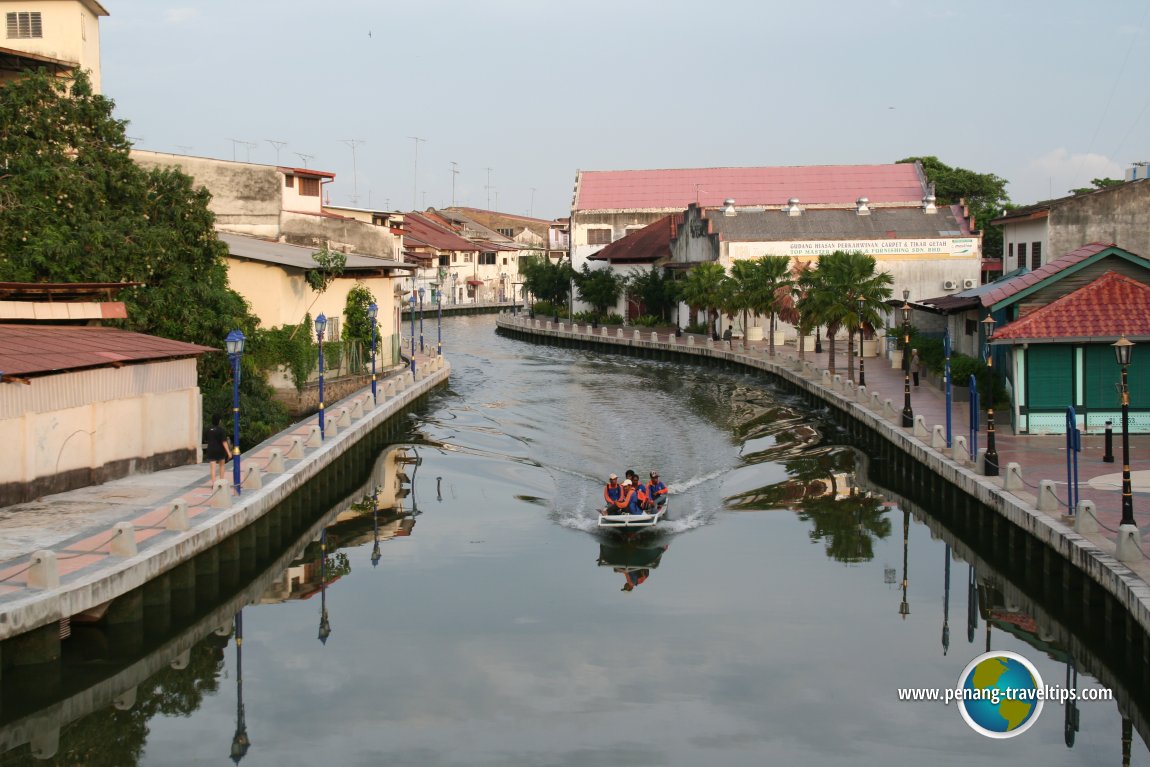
[(1111, 306), (812, 185), (422, 230)]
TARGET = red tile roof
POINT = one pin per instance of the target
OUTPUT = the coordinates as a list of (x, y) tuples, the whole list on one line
[(1111, 306), (305, 172), (812, 185), (43, 349), (645, 245), (420, 230), (1007, 288)]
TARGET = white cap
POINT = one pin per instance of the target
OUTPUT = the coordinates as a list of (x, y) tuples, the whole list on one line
[(626, 483)]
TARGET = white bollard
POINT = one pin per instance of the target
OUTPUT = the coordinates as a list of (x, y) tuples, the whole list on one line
[(275, 464), (43, 572), (862, 394), (343, 418), (876, 400), (329, 427), (1128, 547), (636, 336), (889, 410), (938, 437), (124, 544), (1047, 499), (177, 520), (837, 382), (314, 439), (295, 449), (1012, 479), (826, 378), (1085, 518), (690, 340), (654, 337), (920, 429), (357, 409), (253, 478), (960, 450), (221, 497)]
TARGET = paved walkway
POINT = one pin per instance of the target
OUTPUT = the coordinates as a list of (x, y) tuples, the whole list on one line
[(79, 525)]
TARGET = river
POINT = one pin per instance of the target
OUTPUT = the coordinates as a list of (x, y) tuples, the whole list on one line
[(767, 623)]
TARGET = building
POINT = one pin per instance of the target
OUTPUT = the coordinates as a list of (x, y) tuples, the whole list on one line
[(445, 260), (1034, 234), (58, 35), (82, 404), (536, 235), (608, 205)]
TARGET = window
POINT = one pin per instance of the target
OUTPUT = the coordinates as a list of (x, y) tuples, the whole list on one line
[(1021, 255), (24, 24), (309, 187), (1009, 255), (487, 259), (505, 260), (508, 233), (444, 260), (1035, 255), (598, 236), (289, 181), (971, 327), (467, 258)]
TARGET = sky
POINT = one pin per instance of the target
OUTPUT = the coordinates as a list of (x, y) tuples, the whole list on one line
[(499, 103)]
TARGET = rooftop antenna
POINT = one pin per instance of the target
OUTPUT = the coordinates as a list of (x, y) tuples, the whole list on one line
[(454, 173), (304, 158), (488, 187), (353, 143), (415, 173), (278, 145), (236, 141), (250, 145), (531, 210), (187, 149)]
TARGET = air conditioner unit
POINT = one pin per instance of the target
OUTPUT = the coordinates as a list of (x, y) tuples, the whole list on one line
[(949, 285), (967, 284)]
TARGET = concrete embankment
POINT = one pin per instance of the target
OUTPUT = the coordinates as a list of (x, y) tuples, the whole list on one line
[(999, 500), (102, 544)]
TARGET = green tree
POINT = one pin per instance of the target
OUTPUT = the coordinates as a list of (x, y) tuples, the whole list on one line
[(545, 280), (773, 292), (739, 292), (1097, 183), (832, 291), (703, 289), (357, 325), (655, 290), (74, 207), (599, 287), (985, 194)]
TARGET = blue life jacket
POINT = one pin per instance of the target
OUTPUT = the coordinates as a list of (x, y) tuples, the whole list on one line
[(614, 493), (657, 491)]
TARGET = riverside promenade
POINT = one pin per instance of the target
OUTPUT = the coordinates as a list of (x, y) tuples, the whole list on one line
[(1033, 497), (78, 551)]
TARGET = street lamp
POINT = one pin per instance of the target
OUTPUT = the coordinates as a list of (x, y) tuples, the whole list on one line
[(862, 365), (240, 741), (454, 290), (1122, 349), (907, 411), (324, 621), (235, 346), (413, 333), (946, 375), (991, 460), (439, 322), (372, 313), (421, 320), (320, 327)]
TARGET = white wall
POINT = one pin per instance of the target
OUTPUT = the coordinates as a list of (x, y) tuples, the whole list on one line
[(71, 32), (1028, 233)]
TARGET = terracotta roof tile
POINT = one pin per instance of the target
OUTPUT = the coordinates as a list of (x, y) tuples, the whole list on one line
[(1007, 288), (42, 349), (648, 244), (1110, 306)]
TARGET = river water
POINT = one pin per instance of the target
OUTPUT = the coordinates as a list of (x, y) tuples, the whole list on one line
[(768, 623)]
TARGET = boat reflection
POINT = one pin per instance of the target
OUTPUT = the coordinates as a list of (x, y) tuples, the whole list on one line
[(633, 561)]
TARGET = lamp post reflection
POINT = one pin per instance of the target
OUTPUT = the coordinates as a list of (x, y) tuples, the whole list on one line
[(372, 313), (240, 741), (421, 320), (324, 622), (375, 555), (971, 604), (907, 410), (904, 606), (946, 601)]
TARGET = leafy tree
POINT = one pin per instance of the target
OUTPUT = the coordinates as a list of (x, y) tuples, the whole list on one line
[(655, 291), (832, 291), (773, 292), (703, 289), (357, 325), (740, 292), (599, 287), (547, 281), (985, 195), (1098, 183), (74, 207)]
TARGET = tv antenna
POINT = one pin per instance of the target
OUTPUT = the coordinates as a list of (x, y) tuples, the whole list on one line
[(278, 145), (454, 173), (304, 158), (415, 179), (488, 187), (353, 143)]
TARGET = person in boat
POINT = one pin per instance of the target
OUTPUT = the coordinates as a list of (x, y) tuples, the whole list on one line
[(612, 494), (657, 490), (633, 577), (639, 502)]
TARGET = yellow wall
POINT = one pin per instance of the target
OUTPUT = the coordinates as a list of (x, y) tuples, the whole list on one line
[(71, 32)]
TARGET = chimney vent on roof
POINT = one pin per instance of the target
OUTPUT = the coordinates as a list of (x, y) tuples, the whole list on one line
[(728, 207), (928, 206), (862, 206), (792, 207)]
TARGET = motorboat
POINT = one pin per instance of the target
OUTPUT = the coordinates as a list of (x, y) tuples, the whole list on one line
[(627, 521)]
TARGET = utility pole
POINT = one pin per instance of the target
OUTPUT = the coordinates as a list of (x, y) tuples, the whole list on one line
[(488, 187), (278, 145), (353, 143), (234, 142), (415, 174), (454, 173), (531, 210), (304, 158)]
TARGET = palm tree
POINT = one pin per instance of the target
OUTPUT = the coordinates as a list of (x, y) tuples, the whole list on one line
[(741, 292), (702, 289), (833, 291), (774, 289)]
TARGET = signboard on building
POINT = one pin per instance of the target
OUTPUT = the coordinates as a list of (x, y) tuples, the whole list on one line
[(959, 247)]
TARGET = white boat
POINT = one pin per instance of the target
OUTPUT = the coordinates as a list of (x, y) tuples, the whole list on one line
[(633, 521)]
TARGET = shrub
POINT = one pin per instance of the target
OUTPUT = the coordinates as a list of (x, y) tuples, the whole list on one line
[(697, 327), (647, 321)]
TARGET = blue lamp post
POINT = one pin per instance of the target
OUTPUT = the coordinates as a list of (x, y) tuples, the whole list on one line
[(235, 346), (421, 320), (372, 313), (413, 333), (320, 327), (439, 321)]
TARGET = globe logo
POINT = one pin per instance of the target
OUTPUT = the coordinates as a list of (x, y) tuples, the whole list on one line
[(1001, 694)]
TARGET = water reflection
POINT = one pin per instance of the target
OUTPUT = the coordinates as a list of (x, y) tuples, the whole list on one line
[(634, 561)]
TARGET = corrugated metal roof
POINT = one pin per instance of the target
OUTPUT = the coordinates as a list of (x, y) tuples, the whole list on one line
[(834, 224), (645, 245), (43, 349), (423, 231), (812, 185), (1111, 306), (267, 251), (1000, 291)]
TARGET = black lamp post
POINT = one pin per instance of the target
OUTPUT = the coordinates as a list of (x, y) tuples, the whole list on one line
[(240, 741), (1122, 349), (324, 622), (320, 327), (235, 346), (907, 410), (862, 365), (421, 320), (991, 459), (375, 555), (904, 605), (413, 333), (439, 322), (372, 313)]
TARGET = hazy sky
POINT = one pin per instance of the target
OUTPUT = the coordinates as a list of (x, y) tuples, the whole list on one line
[(1047, 95)]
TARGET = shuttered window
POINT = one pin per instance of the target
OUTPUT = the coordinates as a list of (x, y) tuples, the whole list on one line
[(309, 187), (598, 236), (24, 24), (1049, 376), (1102, 374)]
